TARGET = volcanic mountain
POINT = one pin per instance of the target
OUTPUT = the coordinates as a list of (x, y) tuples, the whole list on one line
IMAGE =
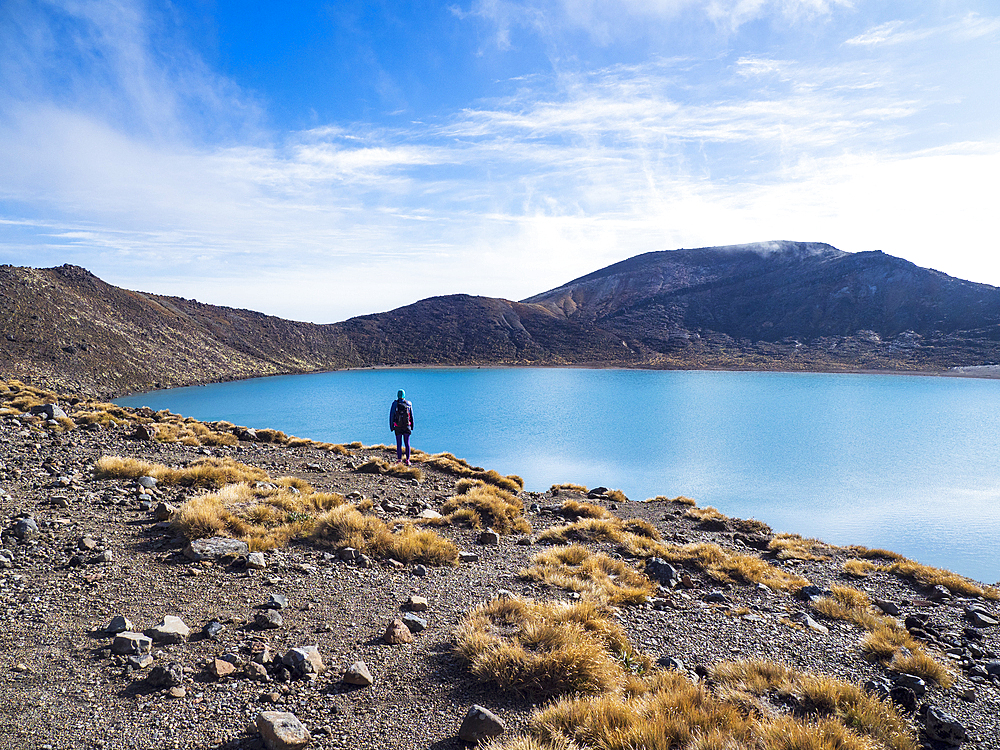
[(775, 305)]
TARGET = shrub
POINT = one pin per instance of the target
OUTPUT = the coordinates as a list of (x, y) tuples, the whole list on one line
[(206, 472), (680, 500), (955, 583), (794, 547), (378, 466), (859, 568), (568, 487), (575, 509), (447, 463)]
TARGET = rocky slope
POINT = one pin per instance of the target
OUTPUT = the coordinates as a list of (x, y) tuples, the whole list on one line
[(79, 550), (795, 306)]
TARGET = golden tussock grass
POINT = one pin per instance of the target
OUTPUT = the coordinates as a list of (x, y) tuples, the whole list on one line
[(545, 649), (795, 547), (567, 487), (741, 711), (271, 436), (458, 467), (885, 640), (192, 433), (638, 538), (750, 526), (206, 472), (851, 605), (859, 568), (479, 504), (378, 466), (922, 664), (869, 553), (345, 526), (265, 517), (708, 516), (679, 500), (20, 397), (955, 583), (594, 575), (575, 509)]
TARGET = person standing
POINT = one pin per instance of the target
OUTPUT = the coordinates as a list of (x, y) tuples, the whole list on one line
[(401, 422)]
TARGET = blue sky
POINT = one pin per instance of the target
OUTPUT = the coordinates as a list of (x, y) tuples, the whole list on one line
[(318, 160)]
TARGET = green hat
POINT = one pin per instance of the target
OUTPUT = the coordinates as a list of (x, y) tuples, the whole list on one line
[(401, 394)]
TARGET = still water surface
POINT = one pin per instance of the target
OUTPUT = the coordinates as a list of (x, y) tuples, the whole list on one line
[(900, 462)]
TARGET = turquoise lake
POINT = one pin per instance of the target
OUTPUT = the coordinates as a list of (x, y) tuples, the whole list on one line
[(905, 463)]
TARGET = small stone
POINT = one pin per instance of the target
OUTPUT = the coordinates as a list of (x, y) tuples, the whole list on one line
[(416, 604), (671, 662), (480, 724), (118, 624), (212, 629), (221, 668), (127, 643), (268, 619), (166, 676), (911, 681), (170, 630), (980, 618), (358, 674), (716, 597), (140, 662), (429, 514), (277, 601), (177, 692), (413, 623), (257, 672), (419, 570), (214, 548), (468, 557), (810, 623), (903, 697), (146, 482), (397, 633), (348, 554), (282, 731), (889, 608), (255, 561), (164, 511), (489, 537), (303, 661), (662, 572), (942, 727), (25, 528)]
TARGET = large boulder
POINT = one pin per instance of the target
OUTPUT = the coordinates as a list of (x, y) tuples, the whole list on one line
[(282, 731)]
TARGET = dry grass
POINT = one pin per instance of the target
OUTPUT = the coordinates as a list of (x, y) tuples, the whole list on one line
[(345, 526), (750, 526), (886, 640), (567, 487), (850, 605), (743, 712), (459, 467), (679, 500), (271, 436), (795, 547), (192, 433), (638, 538), (20, 398), (869, 553), (378, 466), (955, 583), (264, 516), (545, 649), (859, 568), (594, 575), (479, 504), (575, 509), (206, 472), (923, 665), (708, 517)]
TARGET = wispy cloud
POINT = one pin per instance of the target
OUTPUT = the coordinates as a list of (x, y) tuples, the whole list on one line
[(137, 174)]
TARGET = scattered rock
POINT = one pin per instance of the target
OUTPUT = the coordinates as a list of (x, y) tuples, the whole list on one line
[(358, 674), (468, 557), (419, 570), (413, 623), (164, 511), (942, 727), (303, 661), (25, 528), (276, 601), (980, 617), (212, 629), (267, 619), (397, 633), (282, 731), (166, 676), (171, 630), (416, 604), (480, 724), (662, 572), (221, 668), (215, 547), (489, 537), (887, 607), (118, 624), (127, 643)]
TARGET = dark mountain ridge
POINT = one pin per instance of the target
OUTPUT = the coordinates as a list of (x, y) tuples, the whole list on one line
[(776, 305)]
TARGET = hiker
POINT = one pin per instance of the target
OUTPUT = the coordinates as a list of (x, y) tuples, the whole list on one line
[(401, 422)]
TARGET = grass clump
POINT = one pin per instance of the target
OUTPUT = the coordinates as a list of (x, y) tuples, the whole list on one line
[(923, 665), (679, 500), (378, 466), (265, 516), (745, 709), (546, 649), (479, 504), (206, 472), (955, 583), (575, 509), (346, 526), (192, 433), (594, 575), (795, 547), (709, 518), (459, 467), (567, 487), (859, 568)]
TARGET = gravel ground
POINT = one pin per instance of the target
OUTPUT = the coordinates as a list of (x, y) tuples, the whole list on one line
[(60, 687)]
